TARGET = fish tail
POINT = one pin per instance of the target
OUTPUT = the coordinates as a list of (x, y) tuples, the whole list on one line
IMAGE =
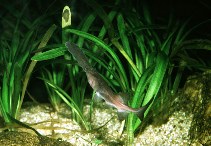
[(141, 111), (79, 56)]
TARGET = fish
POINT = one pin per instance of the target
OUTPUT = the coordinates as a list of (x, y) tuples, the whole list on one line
[(100, 86)]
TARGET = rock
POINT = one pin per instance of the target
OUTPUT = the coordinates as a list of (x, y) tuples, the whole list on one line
[(182, 119), (14, 138)]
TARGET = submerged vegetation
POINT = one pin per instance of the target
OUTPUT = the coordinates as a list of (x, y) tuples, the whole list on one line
[(133, 54)]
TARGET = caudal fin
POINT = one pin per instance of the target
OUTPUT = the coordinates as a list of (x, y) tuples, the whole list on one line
[(142, 110)]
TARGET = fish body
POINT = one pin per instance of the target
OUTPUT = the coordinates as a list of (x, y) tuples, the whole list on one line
[(79, 56), (100, 86)]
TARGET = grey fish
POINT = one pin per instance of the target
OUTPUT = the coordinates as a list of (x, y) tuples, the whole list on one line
[(100, 86)]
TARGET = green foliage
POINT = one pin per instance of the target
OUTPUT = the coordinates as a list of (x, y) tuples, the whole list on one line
[(16, 48), (56, 52), (15, 54), (56, 77), (149, 54), (69, 101), (130, 51)]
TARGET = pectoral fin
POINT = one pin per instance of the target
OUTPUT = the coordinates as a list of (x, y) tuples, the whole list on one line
[(122, 115), (97, 98)]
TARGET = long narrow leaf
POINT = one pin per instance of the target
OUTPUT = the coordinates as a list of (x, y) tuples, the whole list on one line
[(157, 78), (51, 54), (69, 101)]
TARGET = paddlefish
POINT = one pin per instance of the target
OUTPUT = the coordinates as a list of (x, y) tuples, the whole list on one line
[(100, 86)]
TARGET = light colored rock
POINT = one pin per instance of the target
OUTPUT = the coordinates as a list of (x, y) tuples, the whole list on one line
[(59, 124), (183, 119)]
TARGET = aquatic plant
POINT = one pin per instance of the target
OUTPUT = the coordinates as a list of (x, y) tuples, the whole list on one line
[(132, 54), (54, 79), (16, 48)]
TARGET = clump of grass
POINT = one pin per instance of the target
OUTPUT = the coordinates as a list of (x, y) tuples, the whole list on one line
[(54, 80), (16, 49), (56, 77)]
